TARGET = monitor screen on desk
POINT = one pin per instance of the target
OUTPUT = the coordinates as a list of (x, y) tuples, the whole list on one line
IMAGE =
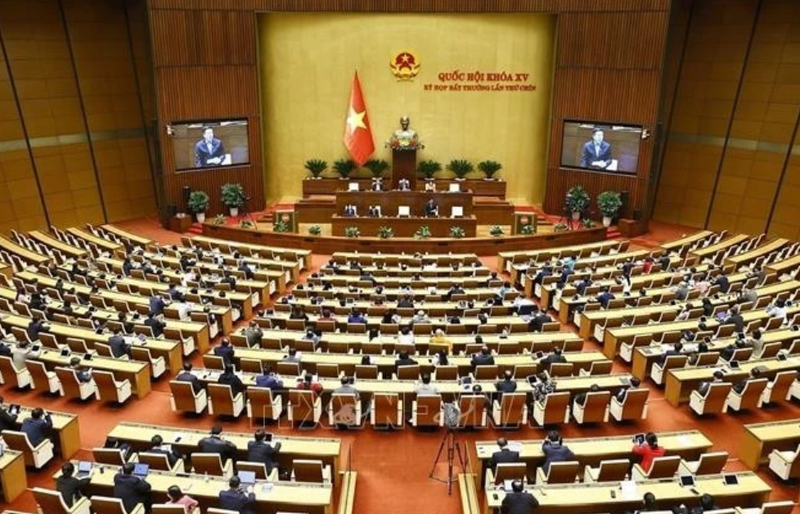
[(602, 147), (206, 144)]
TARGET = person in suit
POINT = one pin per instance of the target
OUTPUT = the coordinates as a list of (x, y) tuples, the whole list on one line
[(518, 501), (648, 451), (131, 489), (268, 379), (580, 398), (538, 319), (403, 360), (546, 271), (728, 351), (209, 151), (35, 327), (176, 497), (604, 297), (187, 376), (71, 488), (226, 351), (347, 387), (350, 211), (157, 305), (403, 185), (554, 450), (127, 326), (677, 349), (707, 503), (119, 347), (723, 282), (258, 450), (736, 320), (156, 446), (37, 426), (426, 388), (503, 455), (155, 325), (236, 499), (8, 421), (253, 335), (84, 375), (228, 377), (244, 268), (556, 356), (377, 184), (507, 385), (22, 353), (755, 374), (175, 293), (634, 384), (431, 209), (5, 349), (703, 388), (596, 153), (215, 444), (483, 358)]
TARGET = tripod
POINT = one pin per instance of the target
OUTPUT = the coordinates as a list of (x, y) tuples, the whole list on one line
[(245, 214), (453, 446)]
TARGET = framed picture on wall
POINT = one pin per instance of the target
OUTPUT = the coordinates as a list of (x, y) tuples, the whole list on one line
[(209, 144), (600, 146)]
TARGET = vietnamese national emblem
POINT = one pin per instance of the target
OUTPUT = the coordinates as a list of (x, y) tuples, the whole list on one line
[(404, 65)]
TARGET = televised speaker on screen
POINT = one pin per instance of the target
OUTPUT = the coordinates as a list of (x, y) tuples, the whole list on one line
[(209, 151), (209, 144), (601, 147)]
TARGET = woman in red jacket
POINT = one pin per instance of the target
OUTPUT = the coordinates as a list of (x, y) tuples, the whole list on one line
[(648, 451)]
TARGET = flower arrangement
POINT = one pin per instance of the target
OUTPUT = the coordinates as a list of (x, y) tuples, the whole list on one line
[(352, 232), (496, 231), (423, 232), (219, 219), (315, 230), (404, 143), (280, 226), (560, 227), (526, 230), (457, 232), (385, 232), (247, 224)]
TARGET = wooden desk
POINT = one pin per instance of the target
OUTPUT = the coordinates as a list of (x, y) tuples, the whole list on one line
[(674, 246), (681, 382), (103, 244), (404, 227), (124, 234), (441, 259), (784, 266), (12, 474), (709, 251), (760, 439), (292, 447), (279, 319), (22, 252), (48, 240), (506, 259), (760, 251), (301, 256), (415, 200), (65, 425), (290, 496), (751, 491), (137, 372)]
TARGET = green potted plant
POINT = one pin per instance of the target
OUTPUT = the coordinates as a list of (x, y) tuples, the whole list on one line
[(352, 232), (588, 223), (496, 231), (560, 227), (233, 197), (247, 224), (385, 232), (315, 230), (609, 203), (219, 219), (377, 167), (423, 232), (527, 230), (198, 204), (344, 167), (280, 226), (316, 167), (489, 168), (457, 232), (429, 168), (461, 167), (577, 201)]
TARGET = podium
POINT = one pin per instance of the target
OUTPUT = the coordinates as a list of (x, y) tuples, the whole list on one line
[(404, 166)]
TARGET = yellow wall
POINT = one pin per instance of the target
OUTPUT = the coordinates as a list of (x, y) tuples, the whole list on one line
[(307, 63)]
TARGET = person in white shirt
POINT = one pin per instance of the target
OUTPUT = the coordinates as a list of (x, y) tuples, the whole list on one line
[(406, 336), (778, 310)]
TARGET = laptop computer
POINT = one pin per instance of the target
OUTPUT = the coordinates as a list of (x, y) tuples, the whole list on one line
[(247, 478), (687, 481), (84, 468), (141, 470)]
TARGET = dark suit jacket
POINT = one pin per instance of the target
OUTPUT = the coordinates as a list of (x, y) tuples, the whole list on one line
[(37, 429), (202, 155), (503, 456), (518, 503), (737, 321), (71, 488), (403, 362), (589, 155), (232, 380), (537, 321), (238, 501), (263, 452), (226, 352), (663, 359), (555, 453), (212, 444), (253, 337), (172, 457), (506, 386), (157, 305), (132, 490), (482, 360), (156, 326), (118, 346), (7, 421), (188, 377)]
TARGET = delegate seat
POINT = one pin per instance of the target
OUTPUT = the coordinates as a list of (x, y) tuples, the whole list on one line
[(42, 379), (164, 508), (410, 372), (344, 410), (662, 467), (511, 411), (560, 369), (386, 410), (714, 401), (160, 461), (158, 365), (553, 411), (18, 378), (607, 471), (262, 404), (182, 398), (313, 471), (658, 371), (222, 402), (51, 502), (108, 505), (34, 457), (633, 406), (449, 372), (259, 468), (558, 473), (426, 411), (73, 388), (211, 463), (778, 388), (785, 464), (594, 410), (304, 407), (749, 398), (784, 507), (109, 389), (112, 456), (710, 463), (597, 368), (472, 411), (486, 372), (505, 471)]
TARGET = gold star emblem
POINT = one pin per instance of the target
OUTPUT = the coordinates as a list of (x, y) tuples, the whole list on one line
[(356, 120)]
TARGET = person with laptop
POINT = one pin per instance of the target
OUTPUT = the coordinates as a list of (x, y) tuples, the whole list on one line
[(70, 487), (131, 489), (8, 420), (259, 450), (648, 449), (176, 497), (236, 498)]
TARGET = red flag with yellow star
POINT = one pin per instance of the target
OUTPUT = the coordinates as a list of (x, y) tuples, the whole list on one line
[(357, 130)]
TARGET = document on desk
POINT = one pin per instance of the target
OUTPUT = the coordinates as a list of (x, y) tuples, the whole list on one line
[(515, 446), (684, 440), (629, 490)]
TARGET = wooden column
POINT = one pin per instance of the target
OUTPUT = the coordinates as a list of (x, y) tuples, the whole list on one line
[(404, 166)]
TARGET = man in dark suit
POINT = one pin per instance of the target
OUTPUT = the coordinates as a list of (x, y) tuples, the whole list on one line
[(118, 345), (554, 450), (538, 318), (175, 293), (253, 335), (71, 488), (704, 386), (225, 350), (209, 151), (37, 426), (604, 297), (244, 268), (597, 152), (156, 447), (35, 327), (518, 501), (155, 325), (736, 320), (84, 375), (634, 383), (504, 454), (677, 349), (543, 273), (8, 421), (228, 377), (261, 451), (215, 444), (484, 358), (403, 360), (131, 489), (157, 305), (236, 499), (723, 283), (755, 374), (555, 357), (431, 209), (187, 376), (507, 385)]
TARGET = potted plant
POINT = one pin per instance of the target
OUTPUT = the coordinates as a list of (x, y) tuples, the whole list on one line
[(461, 167), (344, 167), (385, 232), (560, 227), (527, 230), (280, 226), (377, 167), (588, 223), (352, 232), (315, 230), (198, 204), (496, 231), (316, 167), (423, 232), (219, 219), (609, 203), (577, 201), (429, 168), (247, 224), (489, 168), (233, 197), (457, 232)]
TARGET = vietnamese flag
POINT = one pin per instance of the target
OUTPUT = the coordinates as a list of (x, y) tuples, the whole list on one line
[(357, 131)]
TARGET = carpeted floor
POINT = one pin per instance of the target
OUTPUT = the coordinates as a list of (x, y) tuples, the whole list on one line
[(394, 467)]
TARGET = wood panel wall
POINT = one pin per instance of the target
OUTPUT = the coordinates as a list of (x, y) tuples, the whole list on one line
[(609, 62)]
